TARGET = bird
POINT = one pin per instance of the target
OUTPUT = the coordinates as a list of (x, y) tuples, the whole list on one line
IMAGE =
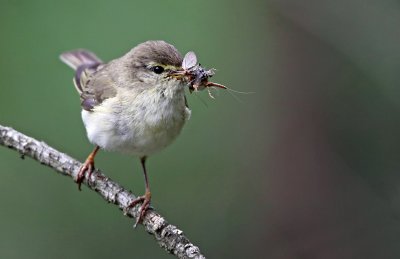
[(134, 104)]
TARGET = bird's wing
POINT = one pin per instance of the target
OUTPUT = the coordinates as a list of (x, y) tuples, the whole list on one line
[(93, 85), (98, 87)]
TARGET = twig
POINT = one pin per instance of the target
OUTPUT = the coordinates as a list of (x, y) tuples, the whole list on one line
[(168, 236)]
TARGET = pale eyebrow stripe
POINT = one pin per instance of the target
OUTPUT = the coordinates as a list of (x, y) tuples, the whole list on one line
[(170, 67)]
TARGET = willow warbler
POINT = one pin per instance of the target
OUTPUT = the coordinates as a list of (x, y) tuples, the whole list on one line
[(134, 104)]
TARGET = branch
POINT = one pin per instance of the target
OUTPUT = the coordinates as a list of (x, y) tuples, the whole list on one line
[(168, 236)]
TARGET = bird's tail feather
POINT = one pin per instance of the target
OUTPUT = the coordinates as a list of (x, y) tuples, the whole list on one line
[(79, 57)]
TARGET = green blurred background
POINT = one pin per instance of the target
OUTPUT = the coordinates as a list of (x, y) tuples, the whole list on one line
[(307, 167)]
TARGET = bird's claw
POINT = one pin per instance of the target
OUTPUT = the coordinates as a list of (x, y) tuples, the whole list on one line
[(145, 200), (87, 167)]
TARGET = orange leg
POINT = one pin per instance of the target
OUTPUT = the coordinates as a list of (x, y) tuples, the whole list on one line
[(146, 198), (87, 167)]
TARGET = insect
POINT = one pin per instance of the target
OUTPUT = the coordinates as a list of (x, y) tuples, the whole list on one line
[(197, 75)]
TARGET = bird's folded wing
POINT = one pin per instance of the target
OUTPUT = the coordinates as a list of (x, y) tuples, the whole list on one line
[(97, 87), (91, 81)]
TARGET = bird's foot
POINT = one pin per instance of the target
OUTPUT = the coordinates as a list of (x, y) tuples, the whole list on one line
[(145, 200), (87, 167)]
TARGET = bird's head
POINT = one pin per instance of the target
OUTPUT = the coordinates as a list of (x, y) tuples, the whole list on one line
[(153, 63)]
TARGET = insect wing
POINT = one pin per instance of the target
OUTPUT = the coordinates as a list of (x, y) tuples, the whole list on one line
[(189, 61)]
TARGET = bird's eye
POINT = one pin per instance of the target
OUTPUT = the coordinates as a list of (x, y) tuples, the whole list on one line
[(157, 69)]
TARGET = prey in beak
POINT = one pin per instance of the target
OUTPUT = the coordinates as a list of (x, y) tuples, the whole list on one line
[(196, 75)]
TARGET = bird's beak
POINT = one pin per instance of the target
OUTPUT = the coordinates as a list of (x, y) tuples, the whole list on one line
[(177, 74)]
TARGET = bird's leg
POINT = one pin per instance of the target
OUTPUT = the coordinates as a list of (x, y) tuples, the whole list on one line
[(87, 167), (145, 199)]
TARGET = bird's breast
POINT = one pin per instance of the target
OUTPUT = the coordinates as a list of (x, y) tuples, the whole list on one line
[(141, 124)]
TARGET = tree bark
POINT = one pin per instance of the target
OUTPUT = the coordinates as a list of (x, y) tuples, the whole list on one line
[(167, 236)]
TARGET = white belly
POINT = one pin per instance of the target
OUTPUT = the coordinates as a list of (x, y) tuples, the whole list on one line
[(141, 126)]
